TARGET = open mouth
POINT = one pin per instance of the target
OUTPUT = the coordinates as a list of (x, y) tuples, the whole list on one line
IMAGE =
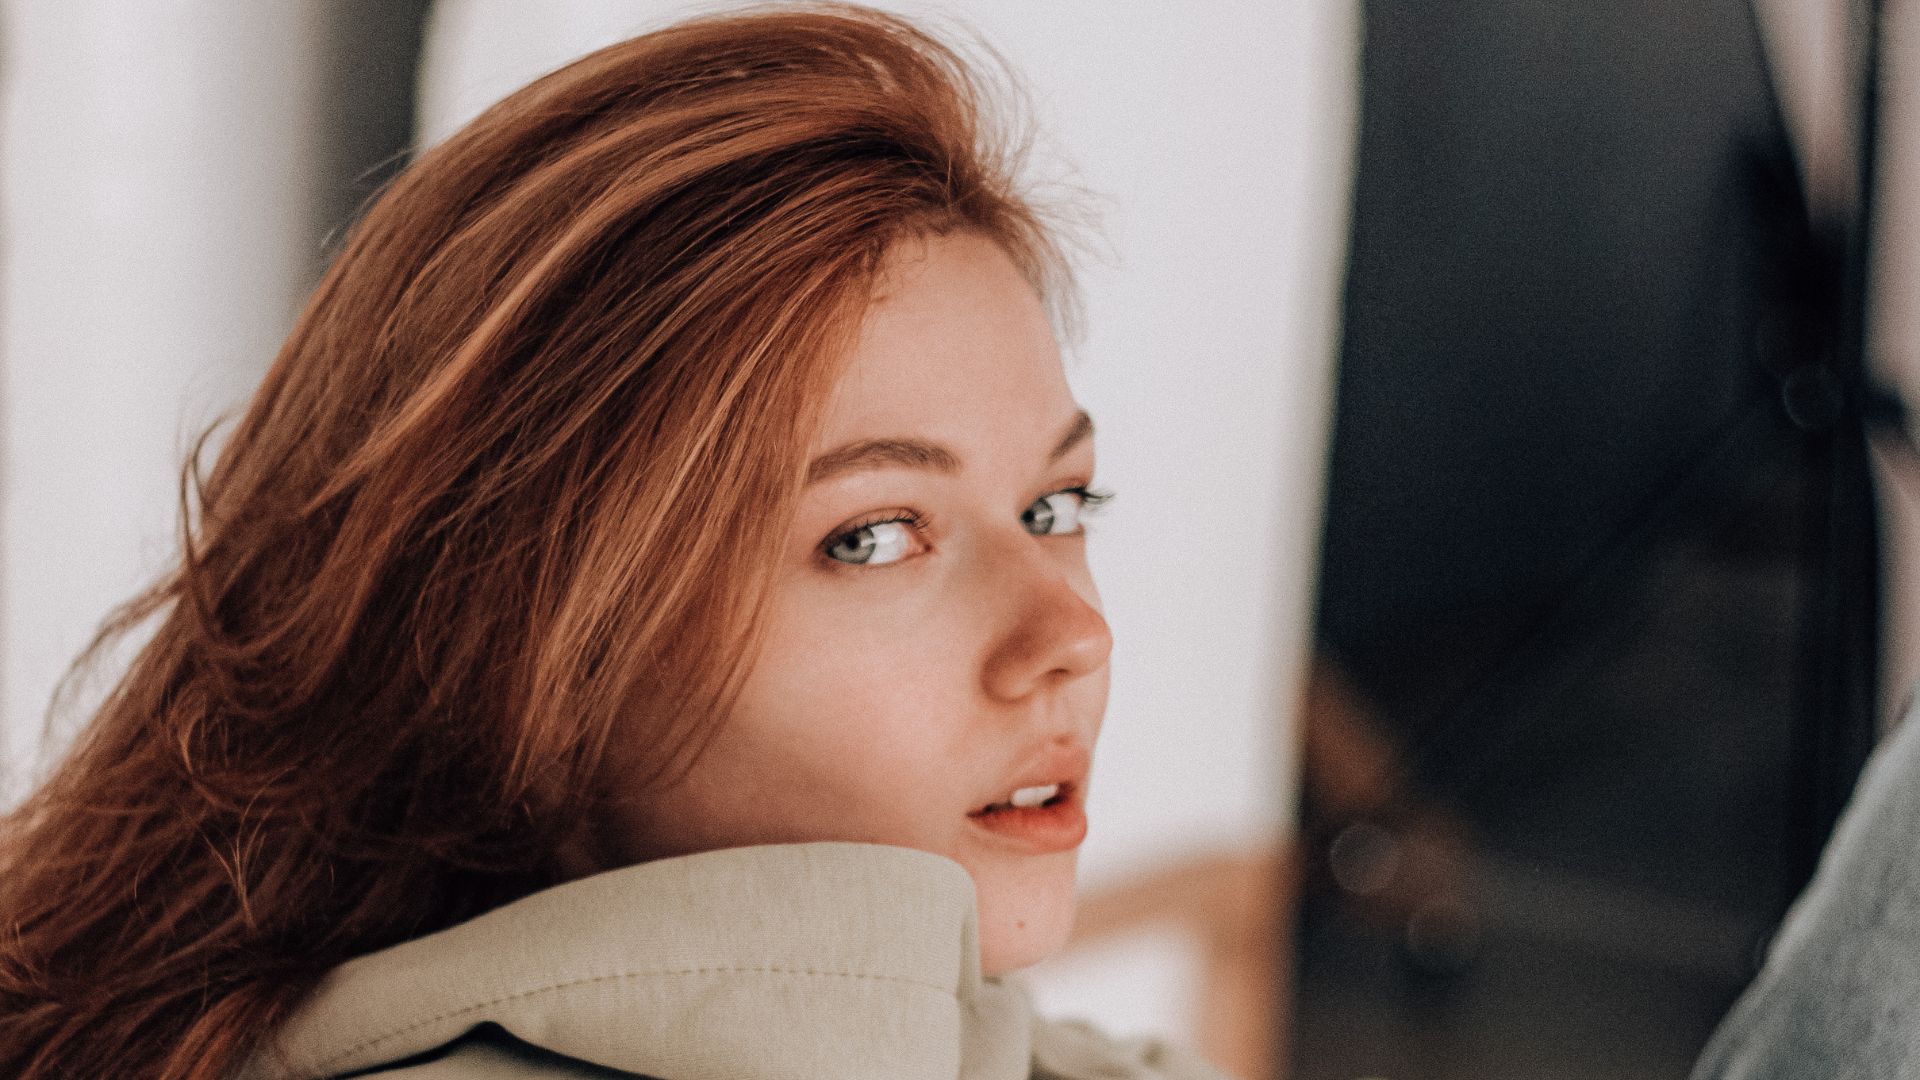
[(1033, 798), (1036, 821)]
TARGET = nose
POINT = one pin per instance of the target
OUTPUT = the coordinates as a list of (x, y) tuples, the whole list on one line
[(1056, 634)]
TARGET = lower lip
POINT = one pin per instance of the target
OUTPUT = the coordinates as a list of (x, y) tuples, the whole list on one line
[(1039, 830)]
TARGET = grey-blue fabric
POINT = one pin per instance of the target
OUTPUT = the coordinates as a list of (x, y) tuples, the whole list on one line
[(1839, 996)]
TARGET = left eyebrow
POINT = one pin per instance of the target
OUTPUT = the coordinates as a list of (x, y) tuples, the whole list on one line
[(1078, 431), (919, 454)]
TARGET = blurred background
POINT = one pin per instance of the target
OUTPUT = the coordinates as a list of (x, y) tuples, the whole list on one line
[(1515, 558)]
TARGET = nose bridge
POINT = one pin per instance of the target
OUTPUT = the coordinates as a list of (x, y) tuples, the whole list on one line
[(1049, 628)]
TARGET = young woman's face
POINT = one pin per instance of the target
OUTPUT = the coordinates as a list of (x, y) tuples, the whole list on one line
[(935, 641)]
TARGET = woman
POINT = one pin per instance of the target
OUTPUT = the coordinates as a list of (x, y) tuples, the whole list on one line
[(642, 622)]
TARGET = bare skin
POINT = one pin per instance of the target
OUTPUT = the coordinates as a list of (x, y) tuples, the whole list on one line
[(915, 671)]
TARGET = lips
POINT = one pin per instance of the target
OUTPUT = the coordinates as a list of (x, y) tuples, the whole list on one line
[(1036, 796), (1041, 810), (1057, 825), (1028, 798), (1056, 765)]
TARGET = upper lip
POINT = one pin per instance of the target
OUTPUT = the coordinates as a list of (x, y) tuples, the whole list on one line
[(1065, 764)]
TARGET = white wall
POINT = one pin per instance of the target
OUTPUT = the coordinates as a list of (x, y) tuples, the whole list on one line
[(1811, 45), (1807, 44), (1895, 338), (156, 195), (1220, 133)]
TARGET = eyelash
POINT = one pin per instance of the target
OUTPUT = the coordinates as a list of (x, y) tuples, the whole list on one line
[(1091, 500)]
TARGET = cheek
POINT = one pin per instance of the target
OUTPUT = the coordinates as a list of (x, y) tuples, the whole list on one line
[(860, 724), (866, 655)]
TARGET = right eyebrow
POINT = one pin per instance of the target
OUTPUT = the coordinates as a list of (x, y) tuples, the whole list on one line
[(880, 453)]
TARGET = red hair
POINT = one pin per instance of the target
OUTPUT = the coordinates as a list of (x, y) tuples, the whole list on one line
[(511, 486)]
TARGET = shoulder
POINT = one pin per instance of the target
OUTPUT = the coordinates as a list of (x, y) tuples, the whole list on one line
[(1076, 1050), (1836, 997)]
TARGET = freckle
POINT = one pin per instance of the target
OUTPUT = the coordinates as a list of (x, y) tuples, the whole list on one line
[(1020, 924)]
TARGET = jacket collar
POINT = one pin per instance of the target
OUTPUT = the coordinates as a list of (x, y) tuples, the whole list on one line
[(792, 960)]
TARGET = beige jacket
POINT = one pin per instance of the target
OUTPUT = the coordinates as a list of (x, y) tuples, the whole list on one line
[(796, 961)]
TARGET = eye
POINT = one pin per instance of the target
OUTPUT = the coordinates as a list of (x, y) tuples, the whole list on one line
[(874, 544), (1058, 514)]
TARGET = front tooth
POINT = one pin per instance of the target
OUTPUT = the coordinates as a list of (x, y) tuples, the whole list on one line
[(1034, 796)]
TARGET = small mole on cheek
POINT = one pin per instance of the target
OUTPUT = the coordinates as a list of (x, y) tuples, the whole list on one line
[(1019, 924)]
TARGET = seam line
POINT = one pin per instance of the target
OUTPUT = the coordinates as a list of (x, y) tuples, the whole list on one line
[(366, 1044)]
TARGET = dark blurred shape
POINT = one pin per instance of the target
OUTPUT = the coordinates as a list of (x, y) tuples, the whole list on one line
[(1596, 517), (371, 56)]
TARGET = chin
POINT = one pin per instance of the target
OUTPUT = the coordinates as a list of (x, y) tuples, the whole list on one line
[(1026, 910)]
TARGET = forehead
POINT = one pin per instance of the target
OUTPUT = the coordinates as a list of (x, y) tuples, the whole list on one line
[(955, 344)]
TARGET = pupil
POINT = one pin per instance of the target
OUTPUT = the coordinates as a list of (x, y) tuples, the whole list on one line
[(857, 545)]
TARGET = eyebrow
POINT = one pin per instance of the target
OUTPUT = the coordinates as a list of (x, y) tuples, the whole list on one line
[(919, 454)]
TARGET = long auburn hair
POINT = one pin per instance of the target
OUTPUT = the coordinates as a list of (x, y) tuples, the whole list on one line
[(509, 492)]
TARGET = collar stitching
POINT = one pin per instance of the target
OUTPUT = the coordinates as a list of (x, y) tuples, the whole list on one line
[(367, 1044)]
